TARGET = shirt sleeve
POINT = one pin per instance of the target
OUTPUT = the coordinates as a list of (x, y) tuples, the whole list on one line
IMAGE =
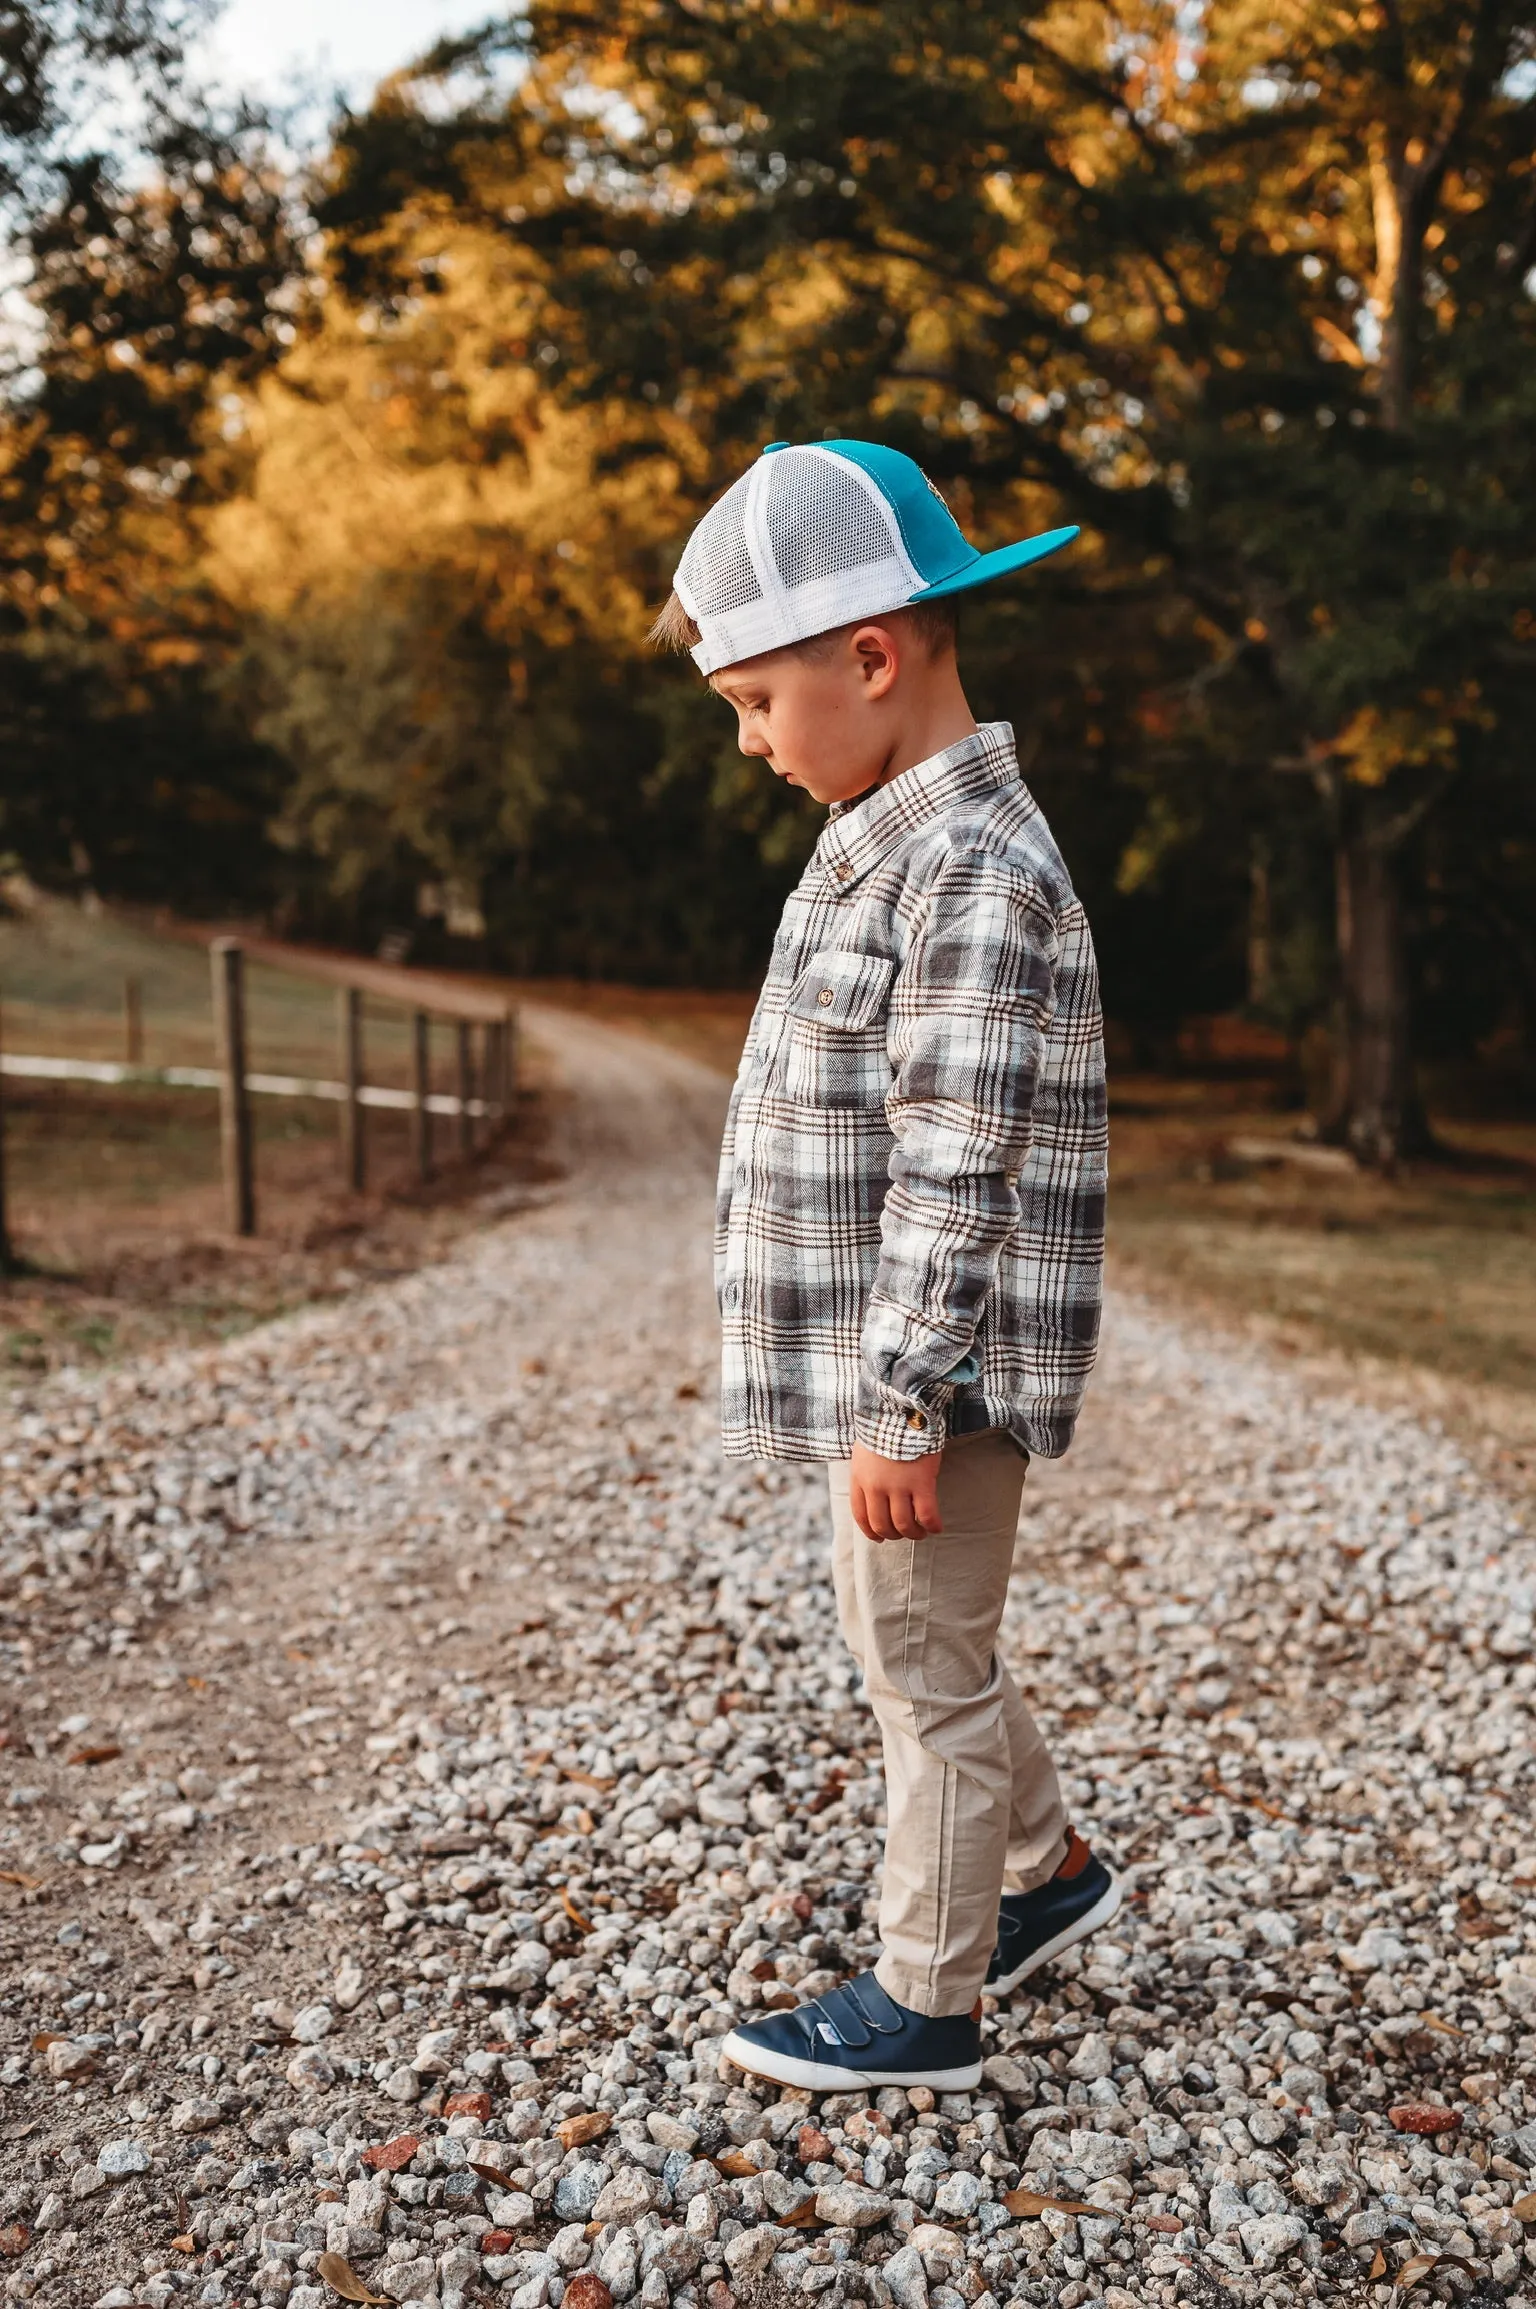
[(970, 1008)]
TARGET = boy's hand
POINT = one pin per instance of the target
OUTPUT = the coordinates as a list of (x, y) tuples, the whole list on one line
[(894, 1498)]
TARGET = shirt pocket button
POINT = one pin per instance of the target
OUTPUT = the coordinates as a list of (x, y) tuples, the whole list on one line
[(826, 998)]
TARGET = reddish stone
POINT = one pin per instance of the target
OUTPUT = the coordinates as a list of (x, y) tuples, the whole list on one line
[(812, 2146), (1422, 2117), (476, 2105), (393, 2156), (1168, 2223), (498, 2241), (586, 2290)]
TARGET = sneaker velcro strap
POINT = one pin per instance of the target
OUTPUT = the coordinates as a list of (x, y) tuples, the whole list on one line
[(860, 2010)]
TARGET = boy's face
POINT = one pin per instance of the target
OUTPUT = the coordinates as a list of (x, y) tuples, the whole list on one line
[(823, 723)]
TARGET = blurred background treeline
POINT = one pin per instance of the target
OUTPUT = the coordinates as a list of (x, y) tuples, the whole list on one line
[(336, 495)]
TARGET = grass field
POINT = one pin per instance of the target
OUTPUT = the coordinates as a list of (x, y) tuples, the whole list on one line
[(115, 1198), (114, 1194)]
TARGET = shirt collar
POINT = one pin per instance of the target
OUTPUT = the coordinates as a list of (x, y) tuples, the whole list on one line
[(859, 834)]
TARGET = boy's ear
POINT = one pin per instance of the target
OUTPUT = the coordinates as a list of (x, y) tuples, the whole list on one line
[(879, 657)]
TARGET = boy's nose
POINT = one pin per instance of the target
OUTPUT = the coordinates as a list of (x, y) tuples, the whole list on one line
[(752, 742)]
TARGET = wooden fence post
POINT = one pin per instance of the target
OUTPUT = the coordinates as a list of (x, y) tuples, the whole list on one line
[(421, 1084), (133, 1021), (234, 1103), (466, 1087), (7, 1255), (491, 1066), (354, 1160)]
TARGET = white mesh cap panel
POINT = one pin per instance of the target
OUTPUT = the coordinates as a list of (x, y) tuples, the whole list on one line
[(715, 575), (800, 544), (821, 521)]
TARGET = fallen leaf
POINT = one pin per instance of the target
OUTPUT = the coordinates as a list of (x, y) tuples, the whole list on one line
[(1412, 2271), (1524, 2208), (1026, 2204), (392, 2156), (45, 2037), (1422, 2117), (1441, 2027), (590, 2125), (582, 1923), (16, 1876), (15, 2238), (735, 2164), (490, 2174), (801, 2216), (197, 1683), (590, 1780), (1240, 1796), (1378, 2266), (343, 2279), (186, 2244), (687, 1393), (105, 1754)]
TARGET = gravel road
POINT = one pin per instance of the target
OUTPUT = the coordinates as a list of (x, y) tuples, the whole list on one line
[(419, 1748)]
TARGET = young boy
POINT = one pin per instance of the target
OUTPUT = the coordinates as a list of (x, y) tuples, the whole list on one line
[(911, 1211)]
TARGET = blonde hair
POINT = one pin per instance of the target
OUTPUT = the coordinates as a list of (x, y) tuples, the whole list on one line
[(935, 624)]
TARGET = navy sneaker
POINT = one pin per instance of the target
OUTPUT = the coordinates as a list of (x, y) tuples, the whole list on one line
[(1032, 1927), (856, 2037)]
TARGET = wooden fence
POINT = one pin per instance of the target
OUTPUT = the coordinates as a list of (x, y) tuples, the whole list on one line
[(484, 1066)]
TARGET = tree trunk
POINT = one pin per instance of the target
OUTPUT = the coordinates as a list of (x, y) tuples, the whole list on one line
[(1378, 1114)]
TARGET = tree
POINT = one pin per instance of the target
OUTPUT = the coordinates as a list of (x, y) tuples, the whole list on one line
[(62, 61), (157, 279), (1244, 292)]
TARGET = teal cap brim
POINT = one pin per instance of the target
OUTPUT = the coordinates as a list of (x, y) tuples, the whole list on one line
[(1002, 563)]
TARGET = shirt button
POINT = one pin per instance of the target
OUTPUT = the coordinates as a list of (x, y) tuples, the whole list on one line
[(844, 873), (916, 1419), (826, 998)]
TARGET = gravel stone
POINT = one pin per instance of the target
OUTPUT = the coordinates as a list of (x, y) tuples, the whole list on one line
[(627, 2197), (578, 2190), (119, 2158)]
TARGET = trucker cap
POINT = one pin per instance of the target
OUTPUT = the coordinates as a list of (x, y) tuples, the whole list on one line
[(815, 536)]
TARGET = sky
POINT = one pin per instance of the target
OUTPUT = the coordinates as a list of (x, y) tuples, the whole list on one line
[(268, 48)]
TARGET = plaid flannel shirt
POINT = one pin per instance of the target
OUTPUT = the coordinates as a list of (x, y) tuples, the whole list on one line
[(910, 1222)]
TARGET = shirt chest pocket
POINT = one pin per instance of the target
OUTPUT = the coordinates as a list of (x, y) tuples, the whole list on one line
[(835, 1047)]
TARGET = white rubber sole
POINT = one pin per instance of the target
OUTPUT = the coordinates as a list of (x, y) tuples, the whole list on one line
[(1106, 1906), (814, 2076)]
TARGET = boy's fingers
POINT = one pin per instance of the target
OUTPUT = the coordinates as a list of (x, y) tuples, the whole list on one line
[(861, 1505), (883, 1520), (925, 1505)]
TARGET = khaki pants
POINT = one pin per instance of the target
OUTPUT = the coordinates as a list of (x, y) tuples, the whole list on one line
[(973, 1808)]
